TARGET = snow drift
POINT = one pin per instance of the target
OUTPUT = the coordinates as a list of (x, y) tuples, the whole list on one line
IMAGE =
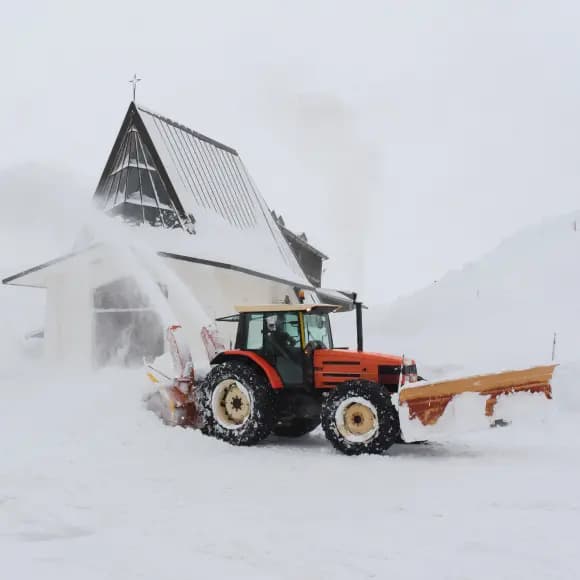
[(498, 312)]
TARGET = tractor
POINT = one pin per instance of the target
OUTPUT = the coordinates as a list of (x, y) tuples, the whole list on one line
[(285, 376)]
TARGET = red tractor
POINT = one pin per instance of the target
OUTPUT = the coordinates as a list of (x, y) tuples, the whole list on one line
[(285, 376)]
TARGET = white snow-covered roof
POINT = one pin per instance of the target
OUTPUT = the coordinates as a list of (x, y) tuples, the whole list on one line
[(233, 223), (287, 308), (97, 253), (169, 178)]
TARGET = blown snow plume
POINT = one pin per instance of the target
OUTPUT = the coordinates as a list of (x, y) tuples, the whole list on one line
[(49, 215), (151, 277), (53, 216), (38, 218), (343, 167), (36, 224)]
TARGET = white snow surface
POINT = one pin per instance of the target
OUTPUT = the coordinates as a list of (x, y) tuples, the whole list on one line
[(94, 486), (498, 312)]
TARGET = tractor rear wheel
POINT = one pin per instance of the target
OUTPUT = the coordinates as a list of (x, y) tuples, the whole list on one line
[(236, 404), (359, 417)]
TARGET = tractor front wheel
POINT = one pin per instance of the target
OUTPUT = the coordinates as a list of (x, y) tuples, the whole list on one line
[(236, 404), (359, 417)]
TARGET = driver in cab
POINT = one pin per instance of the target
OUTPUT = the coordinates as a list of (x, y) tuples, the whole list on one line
[(279, 342)]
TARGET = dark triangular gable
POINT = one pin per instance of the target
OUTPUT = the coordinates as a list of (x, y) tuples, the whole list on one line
[(134, 183)]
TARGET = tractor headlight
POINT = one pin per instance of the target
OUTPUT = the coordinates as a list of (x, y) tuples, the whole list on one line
[(409, 370)]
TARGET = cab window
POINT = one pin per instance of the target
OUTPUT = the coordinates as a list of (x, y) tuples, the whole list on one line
[(317, 328), (255, 332), (279, 325), (288, 324)]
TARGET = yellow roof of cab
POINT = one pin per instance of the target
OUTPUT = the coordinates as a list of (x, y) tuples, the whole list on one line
[(287, 308)]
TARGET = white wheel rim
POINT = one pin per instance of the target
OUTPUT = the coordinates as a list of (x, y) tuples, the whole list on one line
[(357, 420), (231, 404)]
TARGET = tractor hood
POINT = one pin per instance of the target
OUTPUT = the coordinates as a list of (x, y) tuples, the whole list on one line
[(367, 358), (335, 366)]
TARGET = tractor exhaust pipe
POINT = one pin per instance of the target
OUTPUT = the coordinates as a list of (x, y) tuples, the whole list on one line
[(359, 326)]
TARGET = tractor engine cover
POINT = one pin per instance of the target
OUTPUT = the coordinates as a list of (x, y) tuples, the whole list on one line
[(333, 367)]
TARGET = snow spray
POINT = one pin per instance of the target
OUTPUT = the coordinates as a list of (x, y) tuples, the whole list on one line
[(147, 270), (333, 149)]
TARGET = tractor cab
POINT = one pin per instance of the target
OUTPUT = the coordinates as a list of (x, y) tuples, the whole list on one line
[(285, 364), (285, 336)]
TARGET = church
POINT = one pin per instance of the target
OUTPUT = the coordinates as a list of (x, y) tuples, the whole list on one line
[(190, 201)]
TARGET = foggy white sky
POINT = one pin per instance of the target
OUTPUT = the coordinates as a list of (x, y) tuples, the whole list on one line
[(417, 134)]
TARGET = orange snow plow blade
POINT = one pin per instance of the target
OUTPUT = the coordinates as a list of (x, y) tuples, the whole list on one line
[(427, 404)]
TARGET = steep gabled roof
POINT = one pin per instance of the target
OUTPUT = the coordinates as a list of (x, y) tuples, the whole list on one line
[(164, 174), (209, 171), (134, 182)]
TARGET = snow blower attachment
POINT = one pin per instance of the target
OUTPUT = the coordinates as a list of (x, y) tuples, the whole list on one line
[(284, 376), (174, 400)]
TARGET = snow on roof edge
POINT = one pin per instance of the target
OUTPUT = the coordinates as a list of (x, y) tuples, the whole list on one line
[(11, 280), (185, 128)]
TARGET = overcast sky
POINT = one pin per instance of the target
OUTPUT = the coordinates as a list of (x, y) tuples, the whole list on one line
[(415, 134)]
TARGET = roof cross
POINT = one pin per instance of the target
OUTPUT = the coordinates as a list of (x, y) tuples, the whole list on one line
[(134, 82)]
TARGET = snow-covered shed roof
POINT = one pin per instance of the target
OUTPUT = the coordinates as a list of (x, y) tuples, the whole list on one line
[(36, 277), (194, 194)]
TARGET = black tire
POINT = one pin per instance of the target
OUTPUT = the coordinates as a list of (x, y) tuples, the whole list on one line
[(255, 394), (296, 427), (378, 412)]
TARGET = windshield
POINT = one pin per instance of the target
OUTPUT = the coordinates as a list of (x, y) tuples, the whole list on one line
[(317, 328)]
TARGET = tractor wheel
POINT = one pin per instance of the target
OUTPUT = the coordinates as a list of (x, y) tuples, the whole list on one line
[(236, 404), (296, 427), (359, 417)]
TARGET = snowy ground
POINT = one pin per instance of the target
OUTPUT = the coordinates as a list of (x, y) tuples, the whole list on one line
[(94, 486)]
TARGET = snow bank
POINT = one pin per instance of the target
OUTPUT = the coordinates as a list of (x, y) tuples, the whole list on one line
[(501, 311), (466, 413)]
